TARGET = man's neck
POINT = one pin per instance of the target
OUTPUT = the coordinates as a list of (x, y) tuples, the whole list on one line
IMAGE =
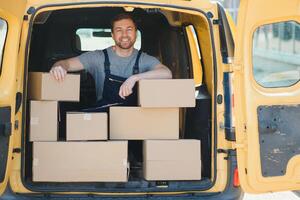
[(122, 52)]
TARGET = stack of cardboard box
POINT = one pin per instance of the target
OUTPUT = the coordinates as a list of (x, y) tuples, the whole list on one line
[(74, 160), (85, 157), (156, 122)]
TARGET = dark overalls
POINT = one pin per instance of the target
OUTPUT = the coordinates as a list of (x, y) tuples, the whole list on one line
[(111, 88), (110, 97)]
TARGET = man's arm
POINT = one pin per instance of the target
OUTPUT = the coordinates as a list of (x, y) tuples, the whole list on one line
[(60, 68), (160, 71)]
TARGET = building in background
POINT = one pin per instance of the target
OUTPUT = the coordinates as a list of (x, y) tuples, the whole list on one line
[(231, 6)]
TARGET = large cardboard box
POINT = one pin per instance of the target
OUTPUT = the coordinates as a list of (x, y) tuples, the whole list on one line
[(80, 161), (172, 160), (43, 121), (136, 123), (87, 126), (166, 93), (42, 86)]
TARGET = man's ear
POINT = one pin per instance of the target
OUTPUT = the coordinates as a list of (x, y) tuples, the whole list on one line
[(112, 35)]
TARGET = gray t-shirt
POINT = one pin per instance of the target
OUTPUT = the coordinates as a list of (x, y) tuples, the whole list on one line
[(93, 62)]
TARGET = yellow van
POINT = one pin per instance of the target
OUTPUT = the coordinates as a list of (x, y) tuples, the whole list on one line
[(246, 82)]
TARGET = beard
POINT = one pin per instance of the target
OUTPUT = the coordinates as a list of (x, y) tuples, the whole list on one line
[(125, 45)]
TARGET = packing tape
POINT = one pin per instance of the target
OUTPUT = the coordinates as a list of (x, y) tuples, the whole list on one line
[(87, 117), (34, 120), (35, 162)]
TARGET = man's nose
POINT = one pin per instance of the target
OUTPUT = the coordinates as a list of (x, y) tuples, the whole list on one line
[(124, 33)]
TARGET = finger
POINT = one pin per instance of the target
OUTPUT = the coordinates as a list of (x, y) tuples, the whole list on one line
[(55, 74), (59, 75), (127, 91), (62, 73), (120, 92), (123, 92)]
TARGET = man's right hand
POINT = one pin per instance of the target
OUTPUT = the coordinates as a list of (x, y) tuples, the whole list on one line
[(59, 69), (58, 72)]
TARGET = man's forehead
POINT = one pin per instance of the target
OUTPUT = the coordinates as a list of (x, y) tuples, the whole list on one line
[(124, 22)]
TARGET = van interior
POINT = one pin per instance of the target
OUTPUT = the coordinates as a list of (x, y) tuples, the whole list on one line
[(55, 35)]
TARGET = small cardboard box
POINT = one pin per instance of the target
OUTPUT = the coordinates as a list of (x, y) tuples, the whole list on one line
[(42, 86), (136, 123), (172, 159), (43, 121), (80, 161), (86, 126), (166, 93)]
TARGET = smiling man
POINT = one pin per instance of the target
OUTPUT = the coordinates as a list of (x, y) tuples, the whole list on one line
[(116, 69)]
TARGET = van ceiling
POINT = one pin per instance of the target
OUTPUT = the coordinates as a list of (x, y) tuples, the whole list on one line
[(99, 17), (53, 36)]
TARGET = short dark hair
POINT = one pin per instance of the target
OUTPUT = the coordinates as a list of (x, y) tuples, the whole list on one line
[(120, 17)]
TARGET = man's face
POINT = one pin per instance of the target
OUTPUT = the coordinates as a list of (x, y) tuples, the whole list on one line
[(124, 33)]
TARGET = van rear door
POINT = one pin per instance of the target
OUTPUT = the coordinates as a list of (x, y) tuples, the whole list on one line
[(11, 17), (267, 95)]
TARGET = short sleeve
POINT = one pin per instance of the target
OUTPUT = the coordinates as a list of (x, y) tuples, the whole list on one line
[(148, 62), (91, 60)]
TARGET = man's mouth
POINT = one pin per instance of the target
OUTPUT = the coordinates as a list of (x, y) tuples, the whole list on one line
[(125, 39)]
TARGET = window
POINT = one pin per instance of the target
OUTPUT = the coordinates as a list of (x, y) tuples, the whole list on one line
[(276, 54), (89, 39), (3, 32)]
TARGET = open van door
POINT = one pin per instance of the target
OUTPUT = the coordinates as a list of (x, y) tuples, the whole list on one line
[(11, 17), (267, 95)]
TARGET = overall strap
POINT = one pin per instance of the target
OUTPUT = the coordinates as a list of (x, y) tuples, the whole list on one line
[(106, 62), (136, 69)]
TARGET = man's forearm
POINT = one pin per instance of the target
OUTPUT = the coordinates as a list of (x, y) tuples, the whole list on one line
[(63, 63), (70, 64), (162, 72)]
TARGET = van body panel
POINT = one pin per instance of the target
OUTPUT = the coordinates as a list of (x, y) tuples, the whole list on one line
[(16, 180), (251, 99), (12, 13), (248, 94)]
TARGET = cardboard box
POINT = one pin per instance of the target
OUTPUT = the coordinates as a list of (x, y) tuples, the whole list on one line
[(136, 123), (172, 160), (166, 93), (87, 126), (42, 86), (43, 121), (80, 161)]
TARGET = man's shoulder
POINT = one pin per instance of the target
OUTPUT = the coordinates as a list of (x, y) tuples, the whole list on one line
[(146, 56), (94, 53)]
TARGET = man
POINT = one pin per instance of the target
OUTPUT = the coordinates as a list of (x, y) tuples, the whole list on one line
[(116, 69)]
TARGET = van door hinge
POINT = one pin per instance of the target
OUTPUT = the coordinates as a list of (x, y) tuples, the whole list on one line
[(16, 124), (238, 145), (216, 21), (17, 150), (233, 68), (228, 152)]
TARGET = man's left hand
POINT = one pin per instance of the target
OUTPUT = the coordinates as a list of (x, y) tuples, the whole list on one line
[(127, 86)]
